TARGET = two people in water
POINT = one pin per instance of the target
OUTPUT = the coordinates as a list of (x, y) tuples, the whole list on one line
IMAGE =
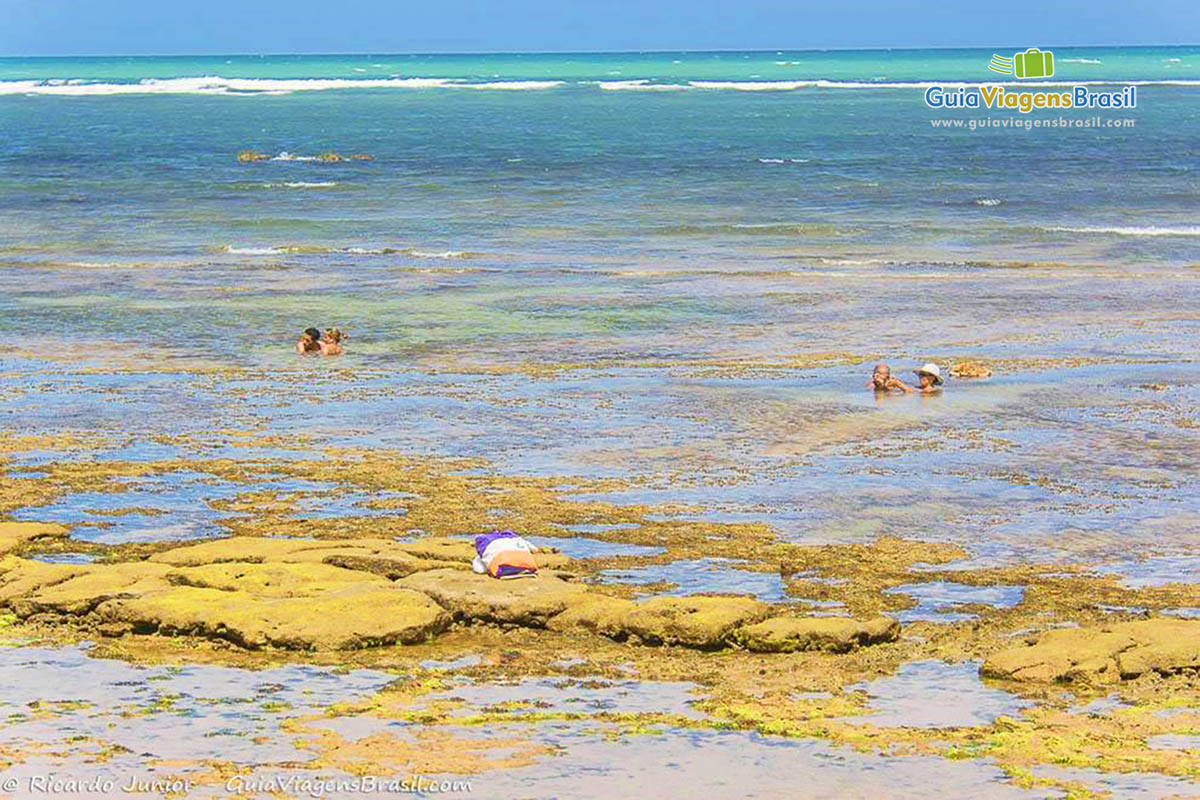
[(313, 342), (929, 380)]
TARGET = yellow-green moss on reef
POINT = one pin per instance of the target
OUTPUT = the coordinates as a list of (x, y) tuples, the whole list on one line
[(1102, 654), (835, 634), (297, 594)]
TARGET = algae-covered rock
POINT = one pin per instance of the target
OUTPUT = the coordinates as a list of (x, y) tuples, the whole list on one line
[(358, 615), (386, 557), (15, 534), (260, 550), (20, 576), (698, 621), (440, 548), (1102, 654), (82, 592), (392, 566), (250, 549), (969, 369), (597, 613), (273, 580), (832, 634), (528, 602), (248, 156)]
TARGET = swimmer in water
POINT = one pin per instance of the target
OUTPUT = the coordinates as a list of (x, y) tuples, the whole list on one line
[(310, 342), (882, 381), (331, 343)]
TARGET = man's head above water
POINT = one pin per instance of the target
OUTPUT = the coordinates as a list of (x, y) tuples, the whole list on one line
[(881, 376)]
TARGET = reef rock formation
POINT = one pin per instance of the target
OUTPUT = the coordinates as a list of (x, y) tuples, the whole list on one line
[(527, 602), (337, 615), (969, 369), (1102, 654), (339, 594), (16, 534), (697, 621), (831, 634)]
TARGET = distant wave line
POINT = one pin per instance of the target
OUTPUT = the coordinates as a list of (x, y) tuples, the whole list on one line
[(353, 251), (243, 87), (217, 85), (1128, 230)]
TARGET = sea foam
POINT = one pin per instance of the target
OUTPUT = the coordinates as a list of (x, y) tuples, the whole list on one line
[(252, 87), (350, 251), (1131, 230), (217, 85)]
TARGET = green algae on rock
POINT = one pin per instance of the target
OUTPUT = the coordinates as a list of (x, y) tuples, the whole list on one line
[(1102, 654), (527, 602), (338, 619), (14, 535), (79, 593), (695, 621), (334, 595), (833, 634)]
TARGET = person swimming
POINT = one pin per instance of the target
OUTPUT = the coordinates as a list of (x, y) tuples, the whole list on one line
[(310, 342), (331, 343), (882, 380), (929, 379)]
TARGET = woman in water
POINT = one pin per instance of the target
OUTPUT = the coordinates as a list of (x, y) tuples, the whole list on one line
[(331, 344), (929, 379)]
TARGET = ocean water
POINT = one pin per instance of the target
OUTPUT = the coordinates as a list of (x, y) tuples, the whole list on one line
[(704, 266), (734, 160), (767, 209)]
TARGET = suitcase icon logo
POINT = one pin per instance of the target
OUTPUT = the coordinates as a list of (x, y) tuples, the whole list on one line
[(1033, 63)]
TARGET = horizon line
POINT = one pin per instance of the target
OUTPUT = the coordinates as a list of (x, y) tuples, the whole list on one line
[(640, 51)]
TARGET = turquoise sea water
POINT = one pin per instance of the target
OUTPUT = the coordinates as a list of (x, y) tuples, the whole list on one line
[(650, 157), (569, 209)]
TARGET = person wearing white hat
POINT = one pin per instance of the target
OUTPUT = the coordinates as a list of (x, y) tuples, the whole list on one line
[(929, 378)]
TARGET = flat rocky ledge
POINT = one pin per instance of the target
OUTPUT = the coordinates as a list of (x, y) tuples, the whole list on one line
[(339, 595), (1102, 654)]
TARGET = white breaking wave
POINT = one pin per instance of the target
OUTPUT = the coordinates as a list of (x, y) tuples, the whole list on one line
[(256, 251), (353, 251), (1119, 230), (1081, 61), (638, 86), (988, 201), (507, 85), (301, 185), (444, 254), (245, 87), (215, 84)]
